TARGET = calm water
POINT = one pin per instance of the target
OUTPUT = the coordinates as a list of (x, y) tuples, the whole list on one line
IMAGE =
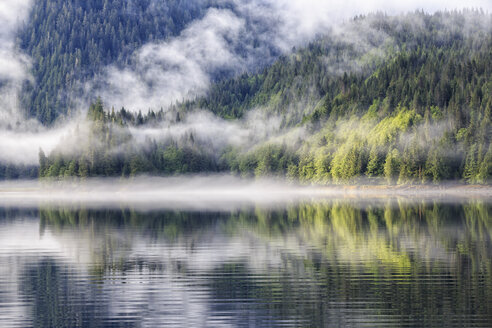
[(325, 263)]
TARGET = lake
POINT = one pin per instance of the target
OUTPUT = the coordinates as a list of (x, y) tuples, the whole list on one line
[(349, 262)]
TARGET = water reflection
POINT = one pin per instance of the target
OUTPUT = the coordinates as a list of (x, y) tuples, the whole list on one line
[(325, 263)]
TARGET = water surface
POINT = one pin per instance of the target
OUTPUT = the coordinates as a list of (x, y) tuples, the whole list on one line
[(331, 263)]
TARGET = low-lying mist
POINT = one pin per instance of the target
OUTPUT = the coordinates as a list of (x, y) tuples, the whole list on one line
[(164, 72), (212, 192)]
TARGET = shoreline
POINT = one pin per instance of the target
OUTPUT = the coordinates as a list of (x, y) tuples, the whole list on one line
[(411, 191)]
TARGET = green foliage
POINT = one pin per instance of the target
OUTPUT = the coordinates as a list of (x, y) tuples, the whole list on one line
[(70, 41), (267, 160), (485, 169), (411, 116), (107, 148), (9, 171), (348, 162), (389, 128), (392, 166), (435, 166), (375, 163), (419, 113)]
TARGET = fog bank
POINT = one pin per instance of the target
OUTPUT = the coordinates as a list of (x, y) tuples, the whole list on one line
[(247, 35), (213, 192), (242, 37)]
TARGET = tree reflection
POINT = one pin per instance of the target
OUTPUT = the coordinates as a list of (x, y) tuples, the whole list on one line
[(394, 263)]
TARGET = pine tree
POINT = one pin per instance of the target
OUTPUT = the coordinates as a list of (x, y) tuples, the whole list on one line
[(471, 165), (43, 163), (392, 166), (375, 164)]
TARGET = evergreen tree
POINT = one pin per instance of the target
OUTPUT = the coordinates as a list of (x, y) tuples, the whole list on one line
[(392, 166)]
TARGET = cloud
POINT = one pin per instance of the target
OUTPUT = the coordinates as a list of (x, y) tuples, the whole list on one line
[(182, 68), (18, 147), (14, 66), (214, 134), (12, 13), (165, 72), (248, 35), (20, 137), (298, 21)]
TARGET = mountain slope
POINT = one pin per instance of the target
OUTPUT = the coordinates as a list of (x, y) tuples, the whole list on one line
[(408, 100), (70, 41)]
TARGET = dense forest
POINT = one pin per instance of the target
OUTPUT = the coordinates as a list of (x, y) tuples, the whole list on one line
[(70, 41), (416, 112), (390, 99), (107, 148)]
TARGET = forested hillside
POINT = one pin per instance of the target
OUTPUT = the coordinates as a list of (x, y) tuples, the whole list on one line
[(70, 41), (402, 60), (106, 147), (412, 104)]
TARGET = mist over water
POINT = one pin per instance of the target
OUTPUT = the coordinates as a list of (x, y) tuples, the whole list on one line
[(219, 250), (216, 192)]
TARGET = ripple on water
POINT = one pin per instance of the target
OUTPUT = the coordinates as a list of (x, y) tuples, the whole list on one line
[(324, 264)]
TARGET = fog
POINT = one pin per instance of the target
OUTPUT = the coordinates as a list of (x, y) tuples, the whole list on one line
[(163, 73), (17, 147), (210, 192), (14, 65), (247, 35), (20, 137), (214, 134), (177, 69)]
